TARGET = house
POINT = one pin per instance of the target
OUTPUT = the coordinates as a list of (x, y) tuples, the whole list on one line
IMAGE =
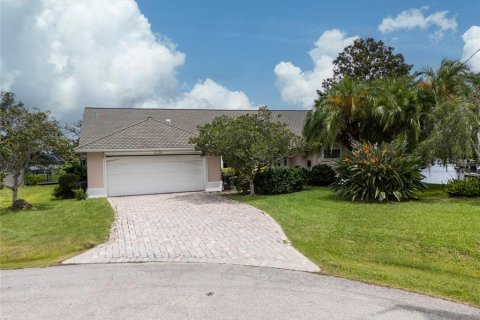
[(146, 151)]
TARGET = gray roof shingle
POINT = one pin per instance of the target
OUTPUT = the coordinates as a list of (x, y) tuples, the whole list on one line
[(134, 129)]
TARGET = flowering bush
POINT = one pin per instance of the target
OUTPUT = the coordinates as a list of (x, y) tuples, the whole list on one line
[(378, 173)]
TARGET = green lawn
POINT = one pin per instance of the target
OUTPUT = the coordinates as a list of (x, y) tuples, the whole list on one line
[(55, 231), (431, 245)]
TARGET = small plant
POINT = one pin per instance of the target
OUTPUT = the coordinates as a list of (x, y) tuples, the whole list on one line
[(80, 194), (463, 188), (31, 179), (322, 175), (378, 173), (279, 180), (66, 184)]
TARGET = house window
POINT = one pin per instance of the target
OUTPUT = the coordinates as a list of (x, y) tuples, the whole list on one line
[(331, 154), (83, 162), (285, 161)]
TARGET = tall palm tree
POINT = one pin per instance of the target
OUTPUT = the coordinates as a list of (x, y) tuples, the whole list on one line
[(374, 111), (451, 116)]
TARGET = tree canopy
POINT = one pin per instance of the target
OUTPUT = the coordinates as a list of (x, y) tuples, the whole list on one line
[(355, 110), (367, 59), (24, 136), (451, 118), (247, 143)]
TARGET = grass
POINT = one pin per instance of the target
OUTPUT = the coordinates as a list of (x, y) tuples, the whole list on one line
[(55, 231), (431, 245)]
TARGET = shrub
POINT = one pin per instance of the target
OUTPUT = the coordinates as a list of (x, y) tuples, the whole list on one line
[(322, 175), (378, 173), (279, 180), (80, 194), (77, 169), (31, 179), (66, 184), (463, 188), (305, 174)]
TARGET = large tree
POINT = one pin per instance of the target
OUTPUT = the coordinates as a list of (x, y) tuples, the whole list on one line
[(357, 110), (367, 59), (247, 143), (25, 135), (451, 117)]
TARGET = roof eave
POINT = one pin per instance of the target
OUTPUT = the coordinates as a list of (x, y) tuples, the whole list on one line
[(83, 150)]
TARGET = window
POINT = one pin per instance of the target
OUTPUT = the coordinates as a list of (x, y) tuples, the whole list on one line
[(331, 154), (285, 161)]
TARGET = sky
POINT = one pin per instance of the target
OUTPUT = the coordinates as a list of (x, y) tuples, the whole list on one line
[(65, 55)]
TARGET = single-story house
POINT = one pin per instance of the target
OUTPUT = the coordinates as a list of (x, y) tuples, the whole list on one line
[(146, 151)]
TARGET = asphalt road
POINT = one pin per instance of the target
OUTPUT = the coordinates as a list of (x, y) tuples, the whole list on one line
[(206, 291)]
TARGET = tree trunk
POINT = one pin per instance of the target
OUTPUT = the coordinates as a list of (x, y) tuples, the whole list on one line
[(15, 187), (252, 187)]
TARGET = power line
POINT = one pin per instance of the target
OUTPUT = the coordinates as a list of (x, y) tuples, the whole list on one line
[(470, 57)]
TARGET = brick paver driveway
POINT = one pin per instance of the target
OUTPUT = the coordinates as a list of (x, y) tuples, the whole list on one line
[(194, 227)]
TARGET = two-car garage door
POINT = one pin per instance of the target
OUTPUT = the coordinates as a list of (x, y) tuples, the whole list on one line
[(133, 175)]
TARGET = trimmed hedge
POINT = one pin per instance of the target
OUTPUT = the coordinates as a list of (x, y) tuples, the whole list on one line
[(279, 180), (463, 188), (322, 175)]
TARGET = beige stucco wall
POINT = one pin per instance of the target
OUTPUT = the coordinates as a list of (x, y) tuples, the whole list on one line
[(214, 167), (95, 169)]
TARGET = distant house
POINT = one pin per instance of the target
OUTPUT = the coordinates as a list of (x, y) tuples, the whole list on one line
[(146, 151)]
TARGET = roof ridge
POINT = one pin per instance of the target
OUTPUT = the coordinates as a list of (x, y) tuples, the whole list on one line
[(193, 109)]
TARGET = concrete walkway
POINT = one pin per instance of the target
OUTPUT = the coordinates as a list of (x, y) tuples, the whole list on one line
[(194, 227), (207, 291)]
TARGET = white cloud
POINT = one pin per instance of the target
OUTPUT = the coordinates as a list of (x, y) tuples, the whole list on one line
[(205, 94), (471, 40), (416, 18), (300, 87), (65, 55)]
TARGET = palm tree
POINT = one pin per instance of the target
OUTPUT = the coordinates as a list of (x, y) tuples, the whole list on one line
[(451, 117), (374, 111)]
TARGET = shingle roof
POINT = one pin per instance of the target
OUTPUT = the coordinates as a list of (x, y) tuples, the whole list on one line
[(132, 129)]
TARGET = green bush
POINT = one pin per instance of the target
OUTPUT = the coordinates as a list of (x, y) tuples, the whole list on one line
[(305, 173), (378, 173), (463, 188), (77, 169), (322, 175), (80, 194), (66, 184), (31, 179), (279, 180)]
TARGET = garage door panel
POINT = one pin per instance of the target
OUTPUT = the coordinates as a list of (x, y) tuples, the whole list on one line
[(154, 174), (154, 169)]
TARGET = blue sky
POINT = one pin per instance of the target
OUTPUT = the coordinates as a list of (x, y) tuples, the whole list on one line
[(65, 55), (238, 43)]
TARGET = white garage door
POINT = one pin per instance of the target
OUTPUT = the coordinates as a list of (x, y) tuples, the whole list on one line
[(154, 174)]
